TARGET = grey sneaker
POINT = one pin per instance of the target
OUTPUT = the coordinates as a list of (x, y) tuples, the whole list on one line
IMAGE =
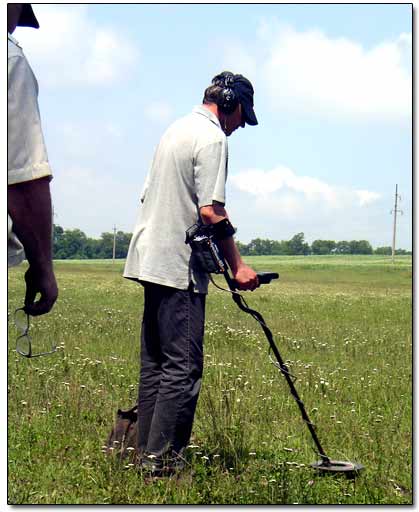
[(151, 465)]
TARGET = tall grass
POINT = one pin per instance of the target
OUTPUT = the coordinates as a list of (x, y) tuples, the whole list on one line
[(342, 324)]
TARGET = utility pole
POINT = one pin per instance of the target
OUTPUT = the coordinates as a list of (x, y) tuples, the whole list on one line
[(114, 244), (395, 212)]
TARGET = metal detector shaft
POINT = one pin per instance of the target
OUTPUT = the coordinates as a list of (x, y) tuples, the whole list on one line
[(238, 299)]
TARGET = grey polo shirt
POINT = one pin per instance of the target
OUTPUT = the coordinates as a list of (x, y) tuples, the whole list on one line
[(189, 170), (26, 153)]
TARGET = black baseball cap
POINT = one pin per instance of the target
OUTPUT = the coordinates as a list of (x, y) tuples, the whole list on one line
[(244, 91), (27, 17)]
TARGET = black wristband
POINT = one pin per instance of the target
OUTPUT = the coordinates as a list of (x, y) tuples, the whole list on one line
[(223, 229)]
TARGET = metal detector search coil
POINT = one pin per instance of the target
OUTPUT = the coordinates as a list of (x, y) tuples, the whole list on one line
[(351, 469), (203, 242)]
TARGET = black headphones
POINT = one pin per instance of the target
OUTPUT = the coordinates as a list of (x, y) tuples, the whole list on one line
[(228, 100)]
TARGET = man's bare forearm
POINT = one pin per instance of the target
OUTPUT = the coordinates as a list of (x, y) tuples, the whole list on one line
[(29, 206), (231, 253)]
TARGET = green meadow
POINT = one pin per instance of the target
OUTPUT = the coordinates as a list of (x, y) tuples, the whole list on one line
[(342, 324)]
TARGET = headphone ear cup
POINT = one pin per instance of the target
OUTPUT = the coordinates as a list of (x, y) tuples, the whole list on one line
[(228, 80), (229, 101)]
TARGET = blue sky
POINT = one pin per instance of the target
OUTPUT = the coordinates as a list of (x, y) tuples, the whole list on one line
[(332, 95)]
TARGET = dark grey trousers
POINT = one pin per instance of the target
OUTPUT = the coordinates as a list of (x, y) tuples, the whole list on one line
[(171, 368)]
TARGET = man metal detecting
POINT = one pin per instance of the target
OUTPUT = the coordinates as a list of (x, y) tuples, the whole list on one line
[(185, 185)]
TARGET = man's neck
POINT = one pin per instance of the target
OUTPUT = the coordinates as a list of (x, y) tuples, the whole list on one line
[(212, 107)]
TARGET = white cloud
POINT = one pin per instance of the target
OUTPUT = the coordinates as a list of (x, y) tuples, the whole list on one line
[(281, 190), (366, 197), (71, 49), (159, 112), (309, 71), (278, 203)]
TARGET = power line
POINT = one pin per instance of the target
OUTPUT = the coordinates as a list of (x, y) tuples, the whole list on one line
[(395, 211)]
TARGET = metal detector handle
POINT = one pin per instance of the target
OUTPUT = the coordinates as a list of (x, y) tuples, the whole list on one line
[(263, 277), (266, 277)]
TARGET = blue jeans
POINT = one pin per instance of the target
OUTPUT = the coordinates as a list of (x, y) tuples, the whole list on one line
[(171, 368)]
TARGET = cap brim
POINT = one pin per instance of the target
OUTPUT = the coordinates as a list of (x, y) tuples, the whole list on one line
[(27, 17), (249, 115)]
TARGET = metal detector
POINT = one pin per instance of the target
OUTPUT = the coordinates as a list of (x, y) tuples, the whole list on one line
[(203, 243)]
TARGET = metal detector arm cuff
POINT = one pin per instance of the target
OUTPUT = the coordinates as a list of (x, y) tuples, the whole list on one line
[(223, 229)]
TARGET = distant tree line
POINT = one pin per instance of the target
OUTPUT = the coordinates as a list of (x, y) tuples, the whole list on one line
[(74, 244), (297, 246)]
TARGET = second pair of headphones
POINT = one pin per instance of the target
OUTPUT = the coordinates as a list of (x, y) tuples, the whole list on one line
[(228, 99)]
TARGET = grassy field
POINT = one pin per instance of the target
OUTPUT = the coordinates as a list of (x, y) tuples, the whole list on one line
[(344, 326)]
